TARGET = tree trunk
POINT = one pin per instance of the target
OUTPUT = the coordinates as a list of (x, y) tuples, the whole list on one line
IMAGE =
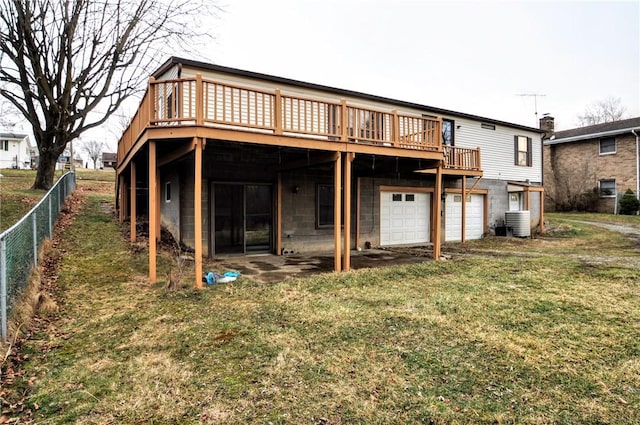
[(46, 170)]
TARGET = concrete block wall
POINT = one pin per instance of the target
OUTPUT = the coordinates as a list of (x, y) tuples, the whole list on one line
[(187, 228), (170, 211)]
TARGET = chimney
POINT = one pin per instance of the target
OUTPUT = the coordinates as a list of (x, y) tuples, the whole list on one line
[(548, 126)]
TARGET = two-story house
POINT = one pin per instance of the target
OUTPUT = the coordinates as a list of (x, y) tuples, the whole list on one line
[(234, 162), (598, 163), (15, 150)]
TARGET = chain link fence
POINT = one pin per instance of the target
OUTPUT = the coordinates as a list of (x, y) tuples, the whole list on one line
[(21, 243)]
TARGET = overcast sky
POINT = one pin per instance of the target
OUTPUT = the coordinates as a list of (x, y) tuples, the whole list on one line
[(468, 56), (472, 57)]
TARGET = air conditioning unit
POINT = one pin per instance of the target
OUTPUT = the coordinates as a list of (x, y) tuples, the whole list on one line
[(520, 222)]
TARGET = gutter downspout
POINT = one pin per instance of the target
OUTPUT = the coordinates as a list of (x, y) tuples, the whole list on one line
[(637, 163)]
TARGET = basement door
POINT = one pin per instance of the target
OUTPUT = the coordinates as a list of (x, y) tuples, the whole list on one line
[(404, 217), (242, 218), (474, 222)]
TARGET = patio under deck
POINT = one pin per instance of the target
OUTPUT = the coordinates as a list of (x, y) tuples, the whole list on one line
[(177, 117)]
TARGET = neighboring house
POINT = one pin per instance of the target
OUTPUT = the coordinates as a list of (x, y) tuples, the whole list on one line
[(109, 160), (15, 150), (253, 163), (600, 161)]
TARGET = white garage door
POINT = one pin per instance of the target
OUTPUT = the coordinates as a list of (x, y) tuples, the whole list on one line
[(453, 217), (404, 217)]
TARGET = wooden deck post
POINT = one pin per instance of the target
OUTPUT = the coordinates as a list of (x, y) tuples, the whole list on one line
[(199, 100), (337, 210), (541, 211), (121, 199), (464, 209), (527, 198), (197, 213), (278, 113), (132, 202), (279, 216), (438, 213), (358, 206), (152, 101), (396, 128), (344, 121), (347, 211), (153, 211)]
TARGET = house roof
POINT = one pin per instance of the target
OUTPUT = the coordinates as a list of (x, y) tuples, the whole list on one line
[(8, 135), (280, 80), (108, 156), (595, 131)]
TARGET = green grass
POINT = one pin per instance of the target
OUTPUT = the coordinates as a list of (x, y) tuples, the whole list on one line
[(16, 197), (607, 218), (505, 338)]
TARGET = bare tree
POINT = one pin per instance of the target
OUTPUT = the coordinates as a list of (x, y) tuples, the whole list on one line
[(94, 149), (68, 65), (606, 110), (9, 117)]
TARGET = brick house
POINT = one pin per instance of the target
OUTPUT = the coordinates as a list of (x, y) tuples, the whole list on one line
[(601, 159), (234, 162)]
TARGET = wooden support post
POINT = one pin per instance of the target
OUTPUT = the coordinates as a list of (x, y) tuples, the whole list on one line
[(153, 211), (121, 189), (278, 112), (464, 209), (132, 203), (197, 213), (344, 121), (337, 210), (199, 100), (347, 211), (152, 100), (358, 206), (541, 211), (438, 213), (527, 198), (279, 216), (396, 128), (158, 210)]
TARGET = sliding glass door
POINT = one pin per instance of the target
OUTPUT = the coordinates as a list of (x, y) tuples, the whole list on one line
[(242, 218)]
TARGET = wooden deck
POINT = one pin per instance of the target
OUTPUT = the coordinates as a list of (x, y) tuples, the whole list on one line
[(195, 107)]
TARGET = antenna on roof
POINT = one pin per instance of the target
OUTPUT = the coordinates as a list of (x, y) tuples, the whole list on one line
[(535, 102)]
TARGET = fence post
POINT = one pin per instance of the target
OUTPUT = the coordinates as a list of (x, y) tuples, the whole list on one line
[(3, 286), (50, 224), (34, 223)]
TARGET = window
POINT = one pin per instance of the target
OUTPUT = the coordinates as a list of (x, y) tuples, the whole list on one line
[(396, 197), (448, 132), (167, 192), (607, 188), (409, 197), (4, 145), (608, 146), (488, 126), (325, 206), (522, 151)]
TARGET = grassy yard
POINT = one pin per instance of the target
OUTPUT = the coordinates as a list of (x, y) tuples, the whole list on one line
[(16, 199), (523, 331)]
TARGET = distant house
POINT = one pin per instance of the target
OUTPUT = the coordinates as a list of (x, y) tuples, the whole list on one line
[(15, 151), (600, 161), (109, 160)]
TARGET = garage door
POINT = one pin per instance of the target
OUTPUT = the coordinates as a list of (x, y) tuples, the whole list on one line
[(453, 217), (404, 217)]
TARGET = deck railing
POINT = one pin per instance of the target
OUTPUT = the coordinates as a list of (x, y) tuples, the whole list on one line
[(462, 158), (196, 101)]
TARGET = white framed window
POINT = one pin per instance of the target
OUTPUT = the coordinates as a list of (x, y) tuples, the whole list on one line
[(608, 146), (167, 192), (607, 188), (522, 149), (4, 145)]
